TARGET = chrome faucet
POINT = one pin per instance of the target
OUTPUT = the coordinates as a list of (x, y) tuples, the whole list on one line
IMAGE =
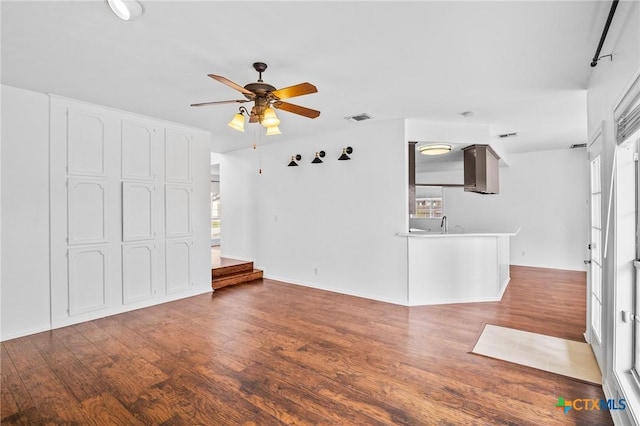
[(443, 225)]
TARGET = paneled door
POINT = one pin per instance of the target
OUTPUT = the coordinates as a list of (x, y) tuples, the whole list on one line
[(594, 285), (636, 262)]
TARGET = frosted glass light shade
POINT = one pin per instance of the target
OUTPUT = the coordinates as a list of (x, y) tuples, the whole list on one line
[(270, 119), (237, 122), (273, 130)]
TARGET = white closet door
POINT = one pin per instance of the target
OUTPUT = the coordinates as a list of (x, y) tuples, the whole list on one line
[(138, 211), (177, 156), (138, 272), (122, 201), (86, 143), (87, 211), (178, 210), (178, 266), (138, 150), (88, 279)]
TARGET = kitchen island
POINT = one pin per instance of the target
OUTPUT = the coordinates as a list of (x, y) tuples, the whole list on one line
[(457, 267)]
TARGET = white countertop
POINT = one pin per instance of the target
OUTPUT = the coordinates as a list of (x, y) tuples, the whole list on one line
[(457, 233)]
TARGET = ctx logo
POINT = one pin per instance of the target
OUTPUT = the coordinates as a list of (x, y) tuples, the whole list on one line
[(585, 404)]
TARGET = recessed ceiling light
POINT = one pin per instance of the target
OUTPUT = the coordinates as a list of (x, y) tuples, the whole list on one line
[(434, 149), (126, 10)]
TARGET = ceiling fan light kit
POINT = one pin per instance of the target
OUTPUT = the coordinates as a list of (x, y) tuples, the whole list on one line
[(265, 98)]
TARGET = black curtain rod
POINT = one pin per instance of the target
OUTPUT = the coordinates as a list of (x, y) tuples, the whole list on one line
[(596, 57)]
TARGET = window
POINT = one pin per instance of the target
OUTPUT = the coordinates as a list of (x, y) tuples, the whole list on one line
[(215, 215), (622, 319), (429, 207), (596, 253), (636, 262), (215, 212), (429, 202)]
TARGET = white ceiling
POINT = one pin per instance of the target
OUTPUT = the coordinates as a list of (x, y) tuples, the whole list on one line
[(519, 66)]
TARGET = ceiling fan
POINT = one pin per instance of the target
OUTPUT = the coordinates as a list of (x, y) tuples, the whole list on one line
[(264, 96)]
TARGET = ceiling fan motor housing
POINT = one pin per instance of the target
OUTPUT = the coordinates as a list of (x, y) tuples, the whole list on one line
[(259, 88)]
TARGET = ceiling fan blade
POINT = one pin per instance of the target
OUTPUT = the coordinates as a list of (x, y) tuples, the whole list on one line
[(231, 84), (293, 91), (240, 101), (296, 109)]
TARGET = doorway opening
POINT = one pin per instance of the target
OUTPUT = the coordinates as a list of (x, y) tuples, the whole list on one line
[(215, 205)]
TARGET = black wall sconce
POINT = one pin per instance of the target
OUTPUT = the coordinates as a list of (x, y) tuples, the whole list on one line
[(345, 151), (317, 159), (293, 160)]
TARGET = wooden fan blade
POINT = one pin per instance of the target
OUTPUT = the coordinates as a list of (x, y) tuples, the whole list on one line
[(231, 84), (293, 91), (239, 101), (296, 109)]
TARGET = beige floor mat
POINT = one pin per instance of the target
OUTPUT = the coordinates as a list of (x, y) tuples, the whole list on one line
[(560, 356)]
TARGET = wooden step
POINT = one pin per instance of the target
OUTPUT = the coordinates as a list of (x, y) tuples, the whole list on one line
[(223, 271), (240, 277)]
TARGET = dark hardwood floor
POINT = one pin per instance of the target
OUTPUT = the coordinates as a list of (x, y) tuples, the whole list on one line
[(273, 353)]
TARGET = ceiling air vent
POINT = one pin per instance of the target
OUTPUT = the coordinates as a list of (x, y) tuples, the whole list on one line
[(359, 117), (507, 135), (578, 145)]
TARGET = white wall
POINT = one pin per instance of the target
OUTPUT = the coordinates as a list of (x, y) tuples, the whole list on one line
[(25, 211), (26, 216), (338, 218), (238, 203), (543, 193)]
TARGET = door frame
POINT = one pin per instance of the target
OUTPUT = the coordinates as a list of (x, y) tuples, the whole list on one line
[(595, 150)]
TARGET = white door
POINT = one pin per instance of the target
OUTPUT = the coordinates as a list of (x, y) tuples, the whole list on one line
[(636, 263), (594, 275)]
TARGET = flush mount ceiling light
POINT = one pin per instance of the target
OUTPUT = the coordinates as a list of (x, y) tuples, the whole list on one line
[(127, 10), (434, 149)]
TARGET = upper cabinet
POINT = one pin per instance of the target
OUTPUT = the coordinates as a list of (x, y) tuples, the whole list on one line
[(481, 169)]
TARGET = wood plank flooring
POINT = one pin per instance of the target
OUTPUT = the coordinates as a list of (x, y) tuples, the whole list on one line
[(274, 353)]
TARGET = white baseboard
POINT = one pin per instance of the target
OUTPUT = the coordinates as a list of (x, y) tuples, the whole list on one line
[(337, 290)]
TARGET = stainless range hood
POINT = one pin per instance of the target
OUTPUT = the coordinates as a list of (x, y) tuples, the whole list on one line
[(481, 169)]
